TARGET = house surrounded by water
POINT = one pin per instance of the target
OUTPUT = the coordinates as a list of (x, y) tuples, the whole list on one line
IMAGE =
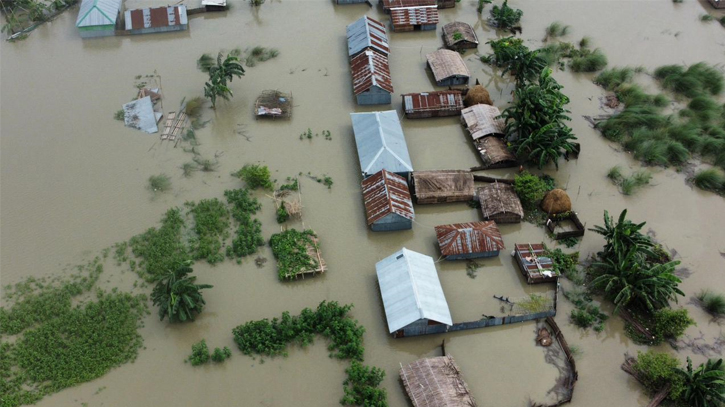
[(98, 18)]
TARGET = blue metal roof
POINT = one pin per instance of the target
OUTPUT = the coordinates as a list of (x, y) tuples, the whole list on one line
[(380, 142)]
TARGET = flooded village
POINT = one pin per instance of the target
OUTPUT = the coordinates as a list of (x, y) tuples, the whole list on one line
[(411, 202)]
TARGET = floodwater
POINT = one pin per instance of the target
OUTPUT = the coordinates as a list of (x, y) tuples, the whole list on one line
[(73, 182)]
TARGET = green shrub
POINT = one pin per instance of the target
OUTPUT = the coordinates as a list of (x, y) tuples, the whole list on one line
[(671, 323), (530, 189), (119, 115), (556, 29), (615, 174), (282, 214), (362, 386), (160, 249), (591, 62), (711, 179), (712, 302), (587, 316), (199, 353), (290, 250), (211, 224), (505, 16), (220, 355), (658, 370), (159, 183), (256, 176), (611, 79)]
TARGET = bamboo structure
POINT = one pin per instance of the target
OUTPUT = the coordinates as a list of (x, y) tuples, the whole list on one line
[(660, 396), (274, 104), (443, 186), (436, 382)]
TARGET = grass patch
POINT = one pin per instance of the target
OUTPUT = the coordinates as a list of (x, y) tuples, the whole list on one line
[(556, 29), (711, 179), (589, 62), (611, 79), (159, 183), (615, 174), (248, 236), (211, 228), (712, 302), (189, 168), (697, 80), (206, 164), (160, 249), (290, 250)]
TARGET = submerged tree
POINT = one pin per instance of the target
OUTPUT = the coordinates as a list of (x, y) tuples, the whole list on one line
[(177, 294), (623, 236), (219, 74)]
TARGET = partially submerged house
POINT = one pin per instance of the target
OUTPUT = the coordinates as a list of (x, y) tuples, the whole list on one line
[(436, 382), (448, 68), (500, 203), (534, 264), (391, 4), (412, 294), (388, 205), (432, 104), (446, 3), (420, 18), (98, 18), (371, 82), (156, 20), (494, 153), (483, 120), (381, 143), (367, 33), (431, 187), (458, 35), (471, 240)]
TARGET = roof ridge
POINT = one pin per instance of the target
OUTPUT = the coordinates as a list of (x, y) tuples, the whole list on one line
[(416, 295)]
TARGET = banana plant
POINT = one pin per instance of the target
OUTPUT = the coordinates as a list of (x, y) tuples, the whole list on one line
[(177, 295), (704, 386)]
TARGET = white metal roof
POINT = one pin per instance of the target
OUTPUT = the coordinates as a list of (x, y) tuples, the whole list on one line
[(367, 32), (98, 12), (411, 290), (380, 142)]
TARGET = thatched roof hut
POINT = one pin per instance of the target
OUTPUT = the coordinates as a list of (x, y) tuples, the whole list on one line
[(469, 240), (466, 37), (477, 94), (448, 67), (494, 153), (436, 382), (481, 121), (443, 186), (555, 202), (500, 203)]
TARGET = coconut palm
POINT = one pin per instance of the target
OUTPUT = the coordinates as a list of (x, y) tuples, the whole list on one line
[(704, 386), (628, 280), (623, 236), (177, 295)]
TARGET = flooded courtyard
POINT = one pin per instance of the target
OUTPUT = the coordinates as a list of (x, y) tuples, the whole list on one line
[(73, 182)]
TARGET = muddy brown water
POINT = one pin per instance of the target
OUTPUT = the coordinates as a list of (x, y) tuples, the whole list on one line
[(73, 182)]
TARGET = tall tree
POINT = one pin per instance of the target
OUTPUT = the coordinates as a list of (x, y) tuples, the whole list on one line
[(177, 295), (219, 74)]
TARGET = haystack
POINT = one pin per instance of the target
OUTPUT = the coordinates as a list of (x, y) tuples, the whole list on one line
[(556, 202), (477, 94)]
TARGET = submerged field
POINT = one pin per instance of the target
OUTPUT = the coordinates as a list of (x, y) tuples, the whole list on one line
[(74, 182)]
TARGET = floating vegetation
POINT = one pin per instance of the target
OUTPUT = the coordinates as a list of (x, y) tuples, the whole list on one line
[(199, 353), (159, 183), (628, 185), (206, 164), (324, 180), (706, 18), (248, 236), (255, 176), (220, 355), (119, 115), (259, 54), (160, 249), (296, 253), (308, 134), (292, 185), (589, 61), (211, 228), (472, 268), (189, 168), (282, 214), (582, 59)]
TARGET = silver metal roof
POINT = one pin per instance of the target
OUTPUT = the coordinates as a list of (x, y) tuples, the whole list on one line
[(98, 12), (380, 142), (367, 32), (411, 290)]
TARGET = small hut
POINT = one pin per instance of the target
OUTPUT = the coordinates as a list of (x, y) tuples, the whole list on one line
[(156, 20), (391, 4), (381, 143), (98, 18), (448, 67), (483, 120), (431, 187), (471, 240), (371, 82), (388, 205), (412, 294), (436, 382), (423, 18), (432, 104), (500, 203), (273, 104), (477, 94), (556, 201), (535, 267), (367, 33), (458, 35), (494, 153), (214, 5)]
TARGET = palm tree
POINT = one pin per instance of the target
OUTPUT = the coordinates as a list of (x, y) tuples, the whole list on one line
[(623, 236), (628, 280), (219, 74), (704, 386), (545, 145), (177, 295)]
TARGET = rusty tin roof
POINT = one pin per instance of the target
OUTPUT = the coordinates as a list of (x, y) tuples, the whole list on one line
[(466, 238), (370, 68), (425, 101), (385, 193), (422, 15)]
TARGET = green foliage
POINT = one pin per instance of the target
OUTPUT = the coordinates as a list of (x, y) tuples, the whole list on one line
[(199, 353), (706, 18), (219, 74), (248, 236), (160, 249), (589, 62), (704, 386), (362, 386), (628, 185), (623, 236), (211, 224), (177, 295), (615, 174), (535, 303), (587, 316), (711, 179), (671, 323), (472, 268), (505, 16), (516, 59), (282, 214), (457, 36), (711, 302), (119, 115), (189, 168), (290, 250), (220, 355), (658, 370), (293, 185), (482, 4), (698, 79), (530, 189), (565, 264), (255, 176), (159, 183), (206, 164), (556, 29)]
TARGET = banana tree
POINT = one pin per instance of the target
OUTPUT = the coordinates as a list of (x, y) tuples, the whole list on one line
[(704, 386), (622, 236), (177, 295)]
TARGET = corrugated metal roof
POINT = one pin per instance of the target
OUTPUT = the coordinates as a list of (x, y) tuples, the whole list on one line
[(423, 15), (385, 193), (155, 17), (446, 63), (481, 120), (219, 3), (380, 142), (368, 69), (388, 4), (525, 251), (425, 101), (411, 290), (98, 12), (467, 238), (367, 32)]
